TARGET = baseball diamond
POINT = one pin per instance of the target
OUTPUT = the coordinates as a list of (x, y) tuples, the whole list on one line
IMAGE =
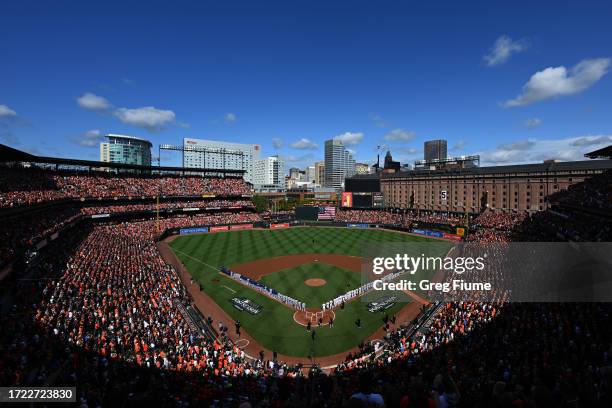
[(311, 264)]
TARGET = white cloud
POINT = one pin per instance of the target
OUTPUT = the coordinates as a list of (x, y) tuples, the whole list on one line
[(400, 135), (592, 140), (230, 117), (459, 145), (298, 161), (184, 125), (536, 150), (6, 112), (304, 144), (278, 143), (532, 123), (8, 118), (147, 117), (93, 102), (378, 120), (406, 150), (503, 49), (91, 138), (350, 138), (554, 82), (520, 145)]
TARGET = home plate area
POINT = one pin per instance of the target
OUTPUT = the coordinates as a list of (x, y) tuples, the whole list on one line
[(314, 316)]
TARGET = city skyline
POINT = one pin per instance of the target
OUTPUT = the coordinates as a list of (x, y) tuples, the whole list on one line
[(517, 87)]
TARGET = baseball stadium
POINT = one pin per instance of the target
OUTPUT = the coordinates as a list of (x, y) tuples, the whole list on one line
[(149, 285)]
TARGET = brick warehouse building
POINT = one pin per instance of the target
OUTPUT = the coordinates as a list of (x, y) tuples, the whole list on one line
[(502, 188)]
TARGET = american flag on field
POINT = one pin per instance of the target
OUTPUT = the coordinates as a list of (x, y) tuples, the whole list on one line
[(327, 213)]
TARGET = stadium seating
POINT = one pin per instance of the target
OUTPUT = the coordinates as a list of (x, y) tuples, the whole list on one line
[(23, 186), (101, 308), (112, 209), (404, 218)]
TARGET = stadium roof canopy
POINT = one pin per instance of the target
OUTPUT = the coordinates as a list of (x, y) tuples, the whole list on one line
[(9, 154), (604, 153)]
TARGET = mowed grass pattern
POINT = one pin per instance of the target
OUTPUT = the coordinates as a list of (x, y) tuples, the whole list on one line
[(274, 326), (291, 282), (236, 247)]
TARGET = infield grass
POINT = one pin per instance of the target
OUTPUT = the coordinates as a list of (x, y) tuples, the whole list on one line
[(291, 282)]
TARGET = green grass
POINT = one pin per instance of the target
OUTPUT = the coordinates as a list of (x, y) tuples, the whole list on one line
[(274, 326), (291, 282)]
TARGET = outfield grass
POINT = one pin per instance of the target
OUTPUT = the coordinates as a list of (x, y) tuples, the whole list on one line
[(274, 326), (291, 282)]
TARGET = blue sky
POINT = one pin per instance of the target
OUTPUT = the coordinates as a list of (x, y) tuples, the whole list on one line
[(512, 81)]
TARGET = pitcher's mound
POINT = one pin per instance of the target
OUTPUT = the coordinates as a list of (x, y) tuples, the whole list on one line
[(315, 282)]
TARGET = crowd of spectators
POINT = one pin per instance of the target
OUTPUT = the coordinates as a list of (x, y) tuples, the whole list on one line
[(368, 216), (394, 217), (22, 232), (593, 193), (112, 209), (432, 218), (501, 221), (101, 308), (551, 225), (497, 353), (283, 214), (26, 186)]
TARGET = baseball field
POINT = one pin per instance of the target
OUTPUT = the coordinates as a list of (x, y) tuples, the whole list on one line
[(310, 264)]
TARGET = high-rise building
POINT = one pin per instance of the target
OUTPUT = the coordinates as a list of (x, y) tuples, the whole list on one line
[(215, 154), (319, 172), (126, 150), (269, 173), (435, 150), (294, 173), (339, 164), (310, 174)]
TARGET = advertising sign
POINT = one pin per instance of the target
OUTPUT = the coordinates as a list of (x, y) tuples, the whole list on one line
[(452, 237), (428, 233), (219, 228), (277, 226), (195, 230), (241, 227)]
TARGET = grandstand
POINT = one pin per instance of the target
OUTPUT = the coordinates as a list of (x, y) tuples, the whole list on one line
[(88, 300)]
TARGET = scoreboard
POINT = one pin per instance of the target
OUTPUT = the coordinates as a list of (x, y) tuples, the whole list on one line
[(362, 200)]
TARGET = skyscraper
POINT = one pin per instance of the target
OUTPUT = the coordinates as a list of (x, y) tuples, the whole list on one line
[(319, 172), (269, 172), (213, 154), (125, 149), (310, 174), (435, 149), (339, 164)]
